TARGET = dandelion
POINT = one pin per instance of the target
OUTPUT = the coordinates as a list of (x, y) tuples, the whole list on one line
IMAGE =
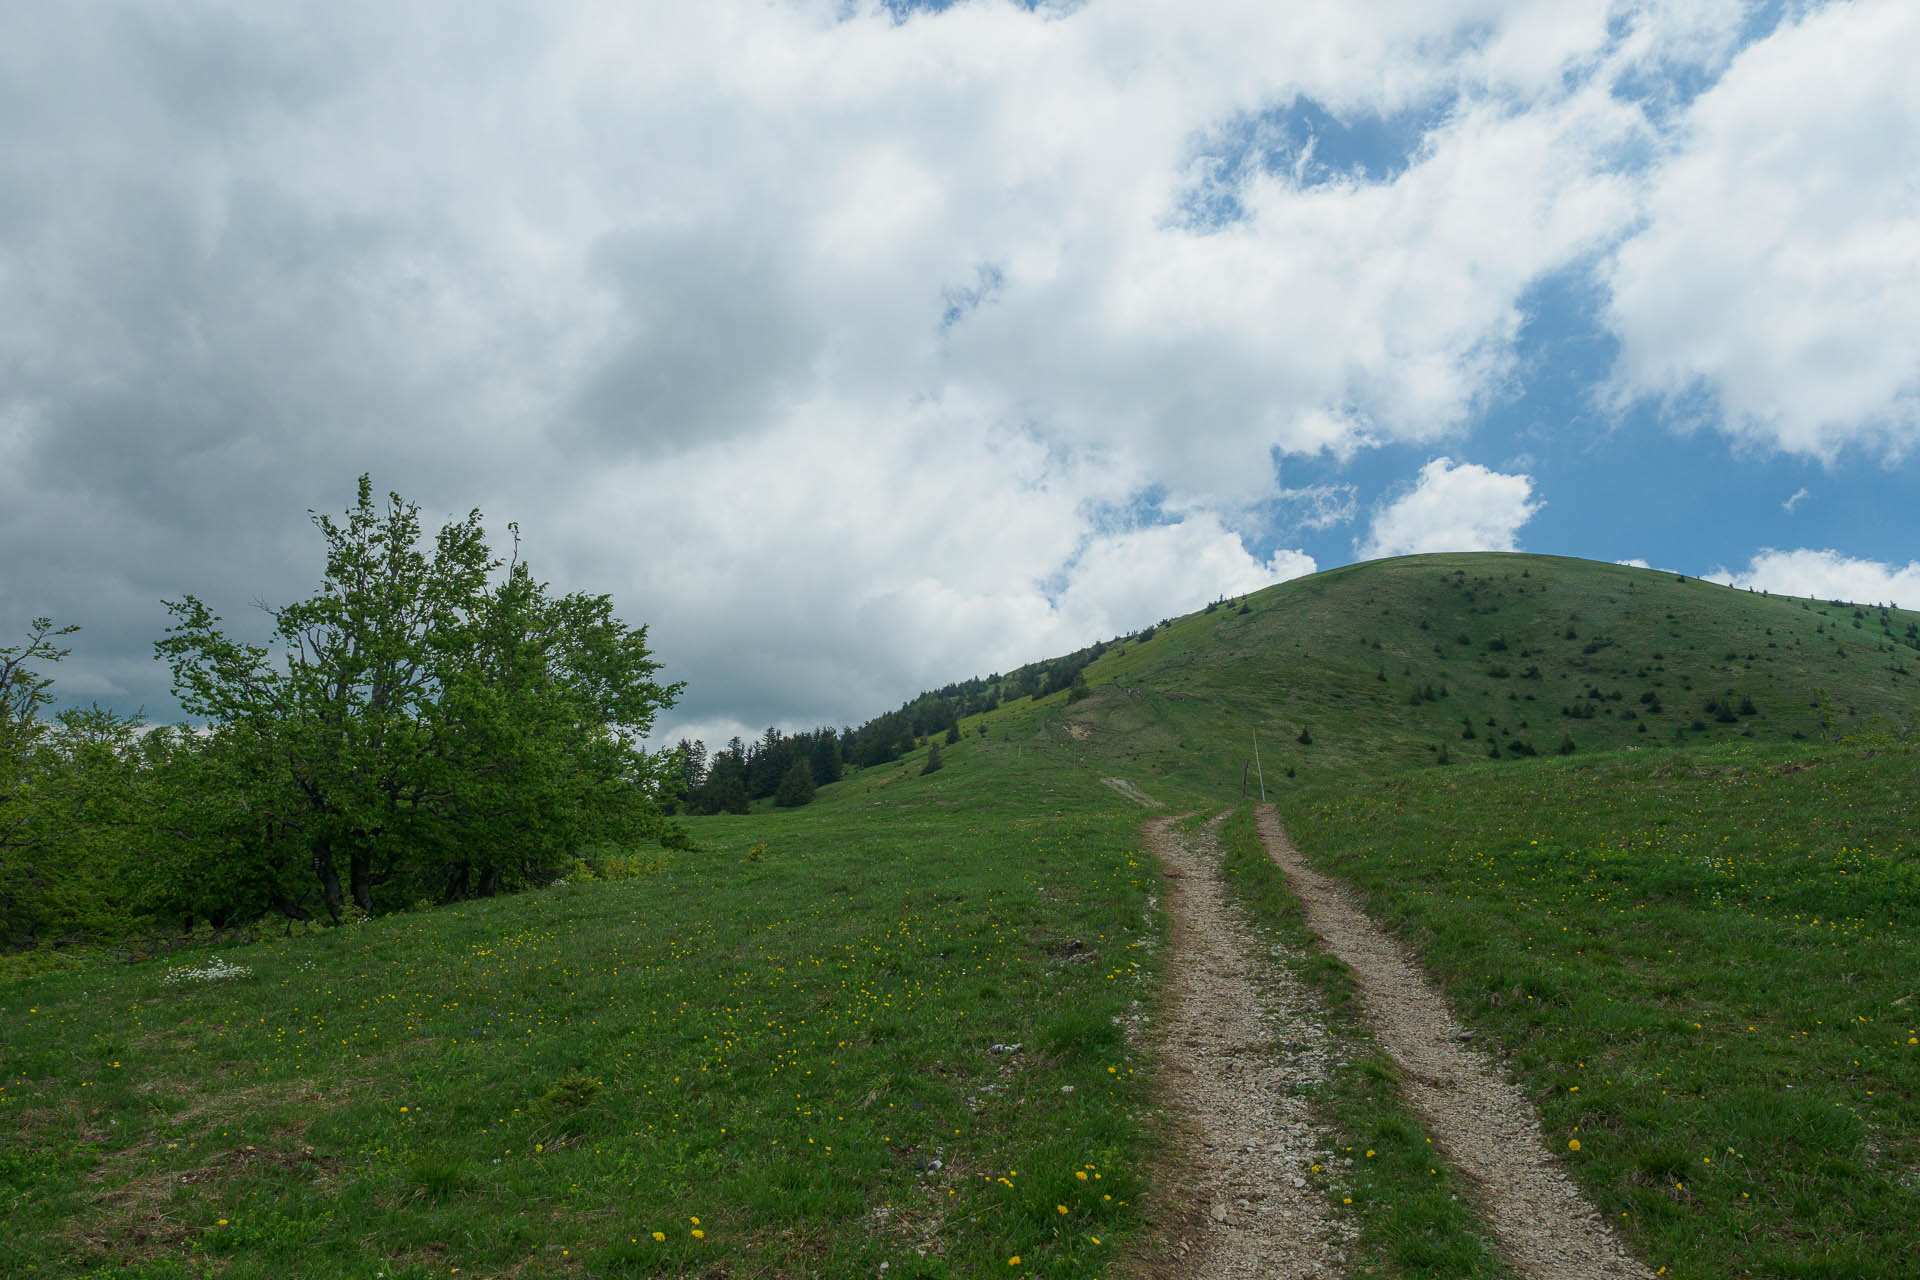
[(1573, 1144), (698, 1234), (1080, 1174), (659, 1237), (1060, 1208), (1014, 1261)]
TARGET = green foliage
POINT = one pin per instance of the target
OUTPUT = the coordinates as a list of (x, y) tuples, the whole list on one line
[(934, 762), (424, 719), (570, 1093), (796, 788)]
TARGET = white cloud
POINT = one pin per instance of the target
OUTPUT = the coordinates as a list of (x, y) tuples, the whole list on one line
[(1129, 580), (1321, 506), (1453, 507), (1828, 575), (1799, 496), (1778, 268), (1634, 563), (813, 336)]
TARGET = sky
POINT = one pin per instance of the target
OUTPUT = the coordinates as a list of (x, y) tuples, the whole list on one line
[(859, 347)]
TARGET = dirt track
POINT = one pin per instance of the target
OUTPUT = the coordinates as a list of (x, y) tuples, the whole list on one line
[(1480, 1121), (1239, 1034)]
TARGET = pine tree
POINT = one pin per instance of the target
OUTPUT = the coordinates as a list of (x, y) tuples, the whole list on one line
[(796, 788), (934, 762)]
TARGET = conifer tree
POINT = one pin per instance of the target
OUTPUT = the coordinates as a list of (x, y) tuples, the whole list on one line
[(796, 788)]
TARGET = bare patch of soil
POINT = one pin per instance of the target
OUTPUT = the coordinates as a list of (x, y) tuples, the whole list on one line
[(1237, 1036), (1480, 1120), (1131, 792)]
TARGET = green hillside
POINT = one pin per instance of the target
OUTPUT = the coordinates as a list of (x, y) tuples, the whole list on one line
[(898, 1025), (1385, 665)]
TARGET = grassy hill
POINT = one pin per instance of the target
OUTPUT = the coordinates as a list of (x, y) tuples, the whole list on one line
[(1387, 665), (896, 1025)]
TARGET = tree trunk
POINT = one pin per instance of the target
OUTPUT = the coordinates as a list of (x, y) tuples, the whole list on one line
[(290, 909), (360, 868), (329, 876), (489, 882), (455, 888)]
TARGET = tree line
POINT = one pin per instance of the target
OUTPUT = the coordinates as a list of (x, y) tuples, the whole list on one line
[(788, 767), (433, 723)]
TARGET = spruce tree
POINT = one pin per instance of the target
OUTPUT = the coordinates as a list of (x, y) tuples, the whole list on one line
[(796, 788), (933, 759)]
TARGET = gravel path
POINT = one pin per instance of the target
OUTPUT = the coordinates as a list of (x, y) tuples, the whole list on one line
[(1238, 1035), (1480, 1120)]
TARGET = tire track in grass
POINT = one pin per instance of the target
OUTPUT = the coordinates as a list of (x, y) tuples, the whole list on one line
[(1237, 1038), (1483, 1123)]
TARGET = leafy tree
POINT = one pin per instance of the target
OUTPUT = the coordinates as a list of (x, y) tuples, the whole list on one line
[(953, 732), (23, 760), (419, 716), (796, 788), (934, 762)]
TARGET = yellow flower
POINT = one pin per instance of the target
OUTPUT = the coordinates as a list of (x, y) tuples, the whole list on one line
[(1080, 1174), (1573, 1144), (1061, 1208), (223, 1222), (1014, 1261), (659, 1236), (698, 1234)]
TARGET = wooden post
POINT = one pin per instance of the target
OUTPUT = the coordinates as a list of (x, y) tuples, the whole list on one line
[(1256, 767)]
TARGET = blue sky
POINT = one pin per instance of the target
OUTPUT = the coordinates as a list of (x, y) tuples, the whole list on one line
[(856, 347)]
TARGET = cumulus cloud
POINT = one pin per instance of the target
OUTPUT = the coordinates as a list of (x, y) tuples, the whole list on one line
[(1828, 575), (1129, 580), (814, 335), (1453, 507), (1774, 288)]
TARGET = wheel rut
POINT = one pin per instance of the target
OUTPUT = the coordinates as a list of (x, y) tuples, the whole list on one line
[(1238, 1036), (1482, 1123)]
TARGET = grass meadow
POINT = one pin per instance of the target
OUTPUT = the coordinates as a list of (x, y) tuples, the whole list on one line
[(1705, 968), (891, 1027), (885, 1028)]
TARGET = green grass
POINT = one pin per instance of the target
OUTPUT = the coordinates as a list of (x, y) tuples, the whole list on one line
[(781, 1032), (1352, 655), (795, 1047), (1701, 966)]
